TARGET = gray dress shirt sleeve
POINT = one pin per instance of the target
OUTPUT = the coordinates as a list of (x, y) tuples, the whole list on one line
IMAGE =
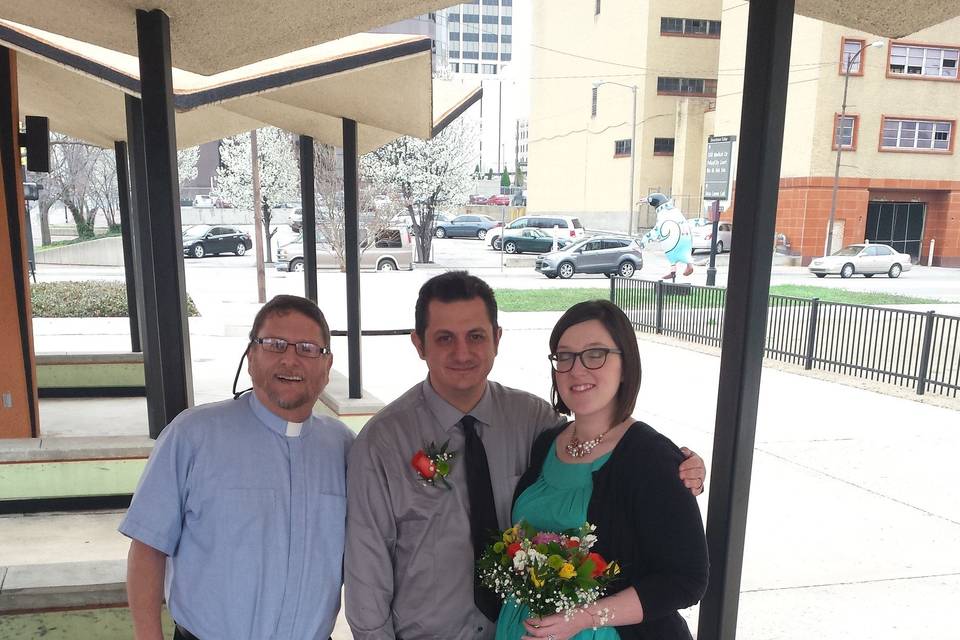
[(371, 534)]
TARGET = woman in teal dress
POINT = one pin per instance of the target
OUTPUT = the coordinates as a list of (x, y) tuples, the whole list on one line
[(617, 473)]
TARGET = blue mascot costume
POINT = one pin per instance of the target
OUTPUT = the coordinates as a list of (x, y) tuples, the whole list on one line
[(673, 233)]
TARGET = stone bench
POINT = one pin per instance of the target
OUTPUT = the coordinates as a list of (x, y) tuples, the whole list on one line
[(75, 375), (63, 585)]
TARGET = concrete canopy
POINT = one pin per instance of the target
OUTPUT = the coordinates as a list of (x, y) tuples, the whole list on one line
[(888, 18), (382, 81), (211, 36)]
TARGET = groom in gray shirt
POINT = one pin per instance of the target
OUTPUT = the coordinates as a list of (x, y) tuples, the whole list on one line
[(409, 565)]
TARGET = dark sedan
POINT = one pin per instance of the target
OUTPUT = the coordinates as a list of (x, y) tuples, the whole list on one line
[(203, 239), (529, 240), (466, 226)]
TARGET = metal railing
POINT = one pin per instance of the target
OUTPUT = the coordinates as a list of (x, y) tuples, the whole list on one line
[(907, 348)]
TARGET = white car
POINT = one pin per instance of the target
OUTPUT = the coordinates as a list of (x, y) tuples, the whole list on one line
[(866, 259), (703, 236)]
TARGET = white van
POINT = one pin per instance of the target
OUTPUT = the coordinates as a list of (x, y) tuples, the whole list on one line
[(565, 227)]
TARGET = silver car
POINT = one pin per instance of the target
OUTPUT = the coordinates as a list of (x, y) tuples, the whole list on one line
[(867, 259), (609, 255)]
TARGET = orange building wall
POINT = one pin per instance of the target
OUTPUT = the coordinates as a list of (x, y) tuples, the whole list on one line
[(15, 421), (803, 210)]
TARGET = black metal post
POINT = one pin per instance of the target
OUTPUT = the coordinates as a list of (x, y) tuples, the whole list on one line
[(715, 226), (769, 34), (145, 280), (12, 185), (351, 230), (308, 207), (923, 371), (162, 220), (123, 192), (658, 313), (812, 333)]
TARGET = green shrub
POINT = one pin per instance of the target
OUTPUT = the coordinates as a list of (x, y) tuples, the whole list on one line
[(84, 299)]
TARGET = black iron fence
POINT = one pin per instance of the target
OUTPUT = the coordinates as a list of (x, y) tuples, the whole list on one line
[(907, 348)]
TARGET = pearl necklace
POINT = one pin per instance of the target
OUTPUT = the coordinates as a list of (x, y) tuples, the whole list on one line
[(577, 449)]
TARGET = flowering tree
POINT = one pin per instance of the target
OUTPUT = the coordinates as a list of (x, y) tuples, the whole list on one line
[(187, 164), (279, 179), (427, 175), (328, 185)]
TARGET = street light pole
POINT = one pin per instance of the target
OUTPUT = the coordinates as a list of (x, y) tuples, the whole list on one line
[(633, 145), (827, 248)]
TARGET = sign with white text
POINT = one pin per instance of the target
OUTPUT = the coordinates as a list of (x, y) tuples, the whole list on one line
[(717, 176)]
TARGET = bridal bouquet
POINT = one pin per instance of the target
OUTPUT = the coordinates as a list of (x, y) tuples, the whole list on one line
[(546, 571)]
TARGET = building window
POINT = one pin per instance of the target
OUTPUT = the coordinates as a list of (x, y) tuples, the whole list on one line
[(505, 57), (453, 17), (455, 67), (490, 69), (506, 19), (916, 60), (471, 55), (469, 68), (593, 102), (663, 146), (691, 27), (490, 19), (687, 87), (845, 131), (454, 53), (850, 48), (506, 38), (454, 36), (489, 37), (471, 18), (471, 37), (621, 148), (917, 135)]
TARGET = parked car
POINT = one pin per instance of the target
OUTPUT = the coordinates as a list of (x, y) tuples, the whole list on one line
[(478, 199), (564, 227), (203, 239), (532, 241), (609, 255), (703, 236), (203, 202), (499, 200), (391, 250), (867, 259), (466, 226)]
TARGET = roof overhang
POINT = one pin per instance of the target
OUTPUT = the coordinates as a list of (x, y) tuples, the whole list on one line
[(382, 81), (887, 18), (212, 36)]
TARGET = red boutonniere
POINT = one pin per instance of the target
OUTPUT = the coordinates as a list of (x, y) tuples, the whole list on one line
[(432, 464)]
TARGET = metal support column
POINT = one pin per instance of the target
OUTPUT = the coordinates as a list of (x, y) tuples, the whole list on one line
[(167, 311), (769, 32), (308, 207), (351, 211), (123, 191), (13, 203), (144, 274)]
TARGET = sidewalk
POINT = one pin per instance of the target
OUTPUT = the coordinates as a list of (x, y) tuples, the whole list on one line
[(854, 524)]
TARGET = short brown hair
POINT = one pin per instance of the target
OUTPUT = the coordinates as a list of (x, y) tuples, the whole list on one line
[(452, 286), (617, 323), (282, 305)]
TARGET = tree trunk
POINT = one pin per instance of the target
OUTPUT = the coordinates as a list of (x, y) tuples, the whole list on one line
[(45, 223), (267, 215), (84, 228)]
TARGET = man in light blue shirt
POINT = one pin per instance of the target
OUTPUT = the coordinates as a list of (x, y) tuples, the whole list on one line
[(239, 516)]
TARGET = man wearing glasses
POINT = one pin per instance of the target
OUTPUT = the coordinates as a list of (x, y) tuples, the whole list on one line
[(412, 544), (239, 515)]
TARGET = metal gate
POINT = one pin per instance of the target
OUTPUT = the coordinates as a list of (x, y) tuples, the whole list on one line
[(898, 224)]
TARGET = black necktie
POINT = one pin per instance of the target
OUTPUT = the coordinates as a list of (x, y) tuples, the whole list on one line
[(483, 511)]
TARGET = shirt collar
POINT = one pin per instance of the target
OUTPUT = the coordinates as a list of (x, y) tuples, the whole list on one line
[(448, 415), (275, 423)]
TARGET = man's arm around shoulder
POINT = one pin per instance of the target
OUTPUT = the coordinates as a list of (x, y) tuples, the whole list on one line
[(145, 571)]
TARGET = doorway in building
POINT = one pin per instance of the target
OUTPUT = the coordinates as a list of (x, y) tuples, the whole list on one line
[(898, 224)]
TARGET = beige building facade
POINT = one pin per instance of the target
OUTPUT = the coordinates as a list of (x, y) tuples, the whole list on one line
[(900, 171), (589, 59)]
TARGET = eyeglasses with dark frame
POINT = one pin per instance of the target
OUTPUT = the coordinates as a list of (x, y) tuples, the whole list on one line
[(279, 345), (594, 358)]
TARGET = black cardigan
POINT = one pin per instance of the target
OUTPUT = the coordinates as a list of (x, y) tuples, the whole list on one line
[(648, 522)]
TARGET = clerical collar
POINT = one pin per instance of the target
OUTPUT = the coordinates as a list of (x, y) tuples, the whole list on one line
[(272, 421)]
